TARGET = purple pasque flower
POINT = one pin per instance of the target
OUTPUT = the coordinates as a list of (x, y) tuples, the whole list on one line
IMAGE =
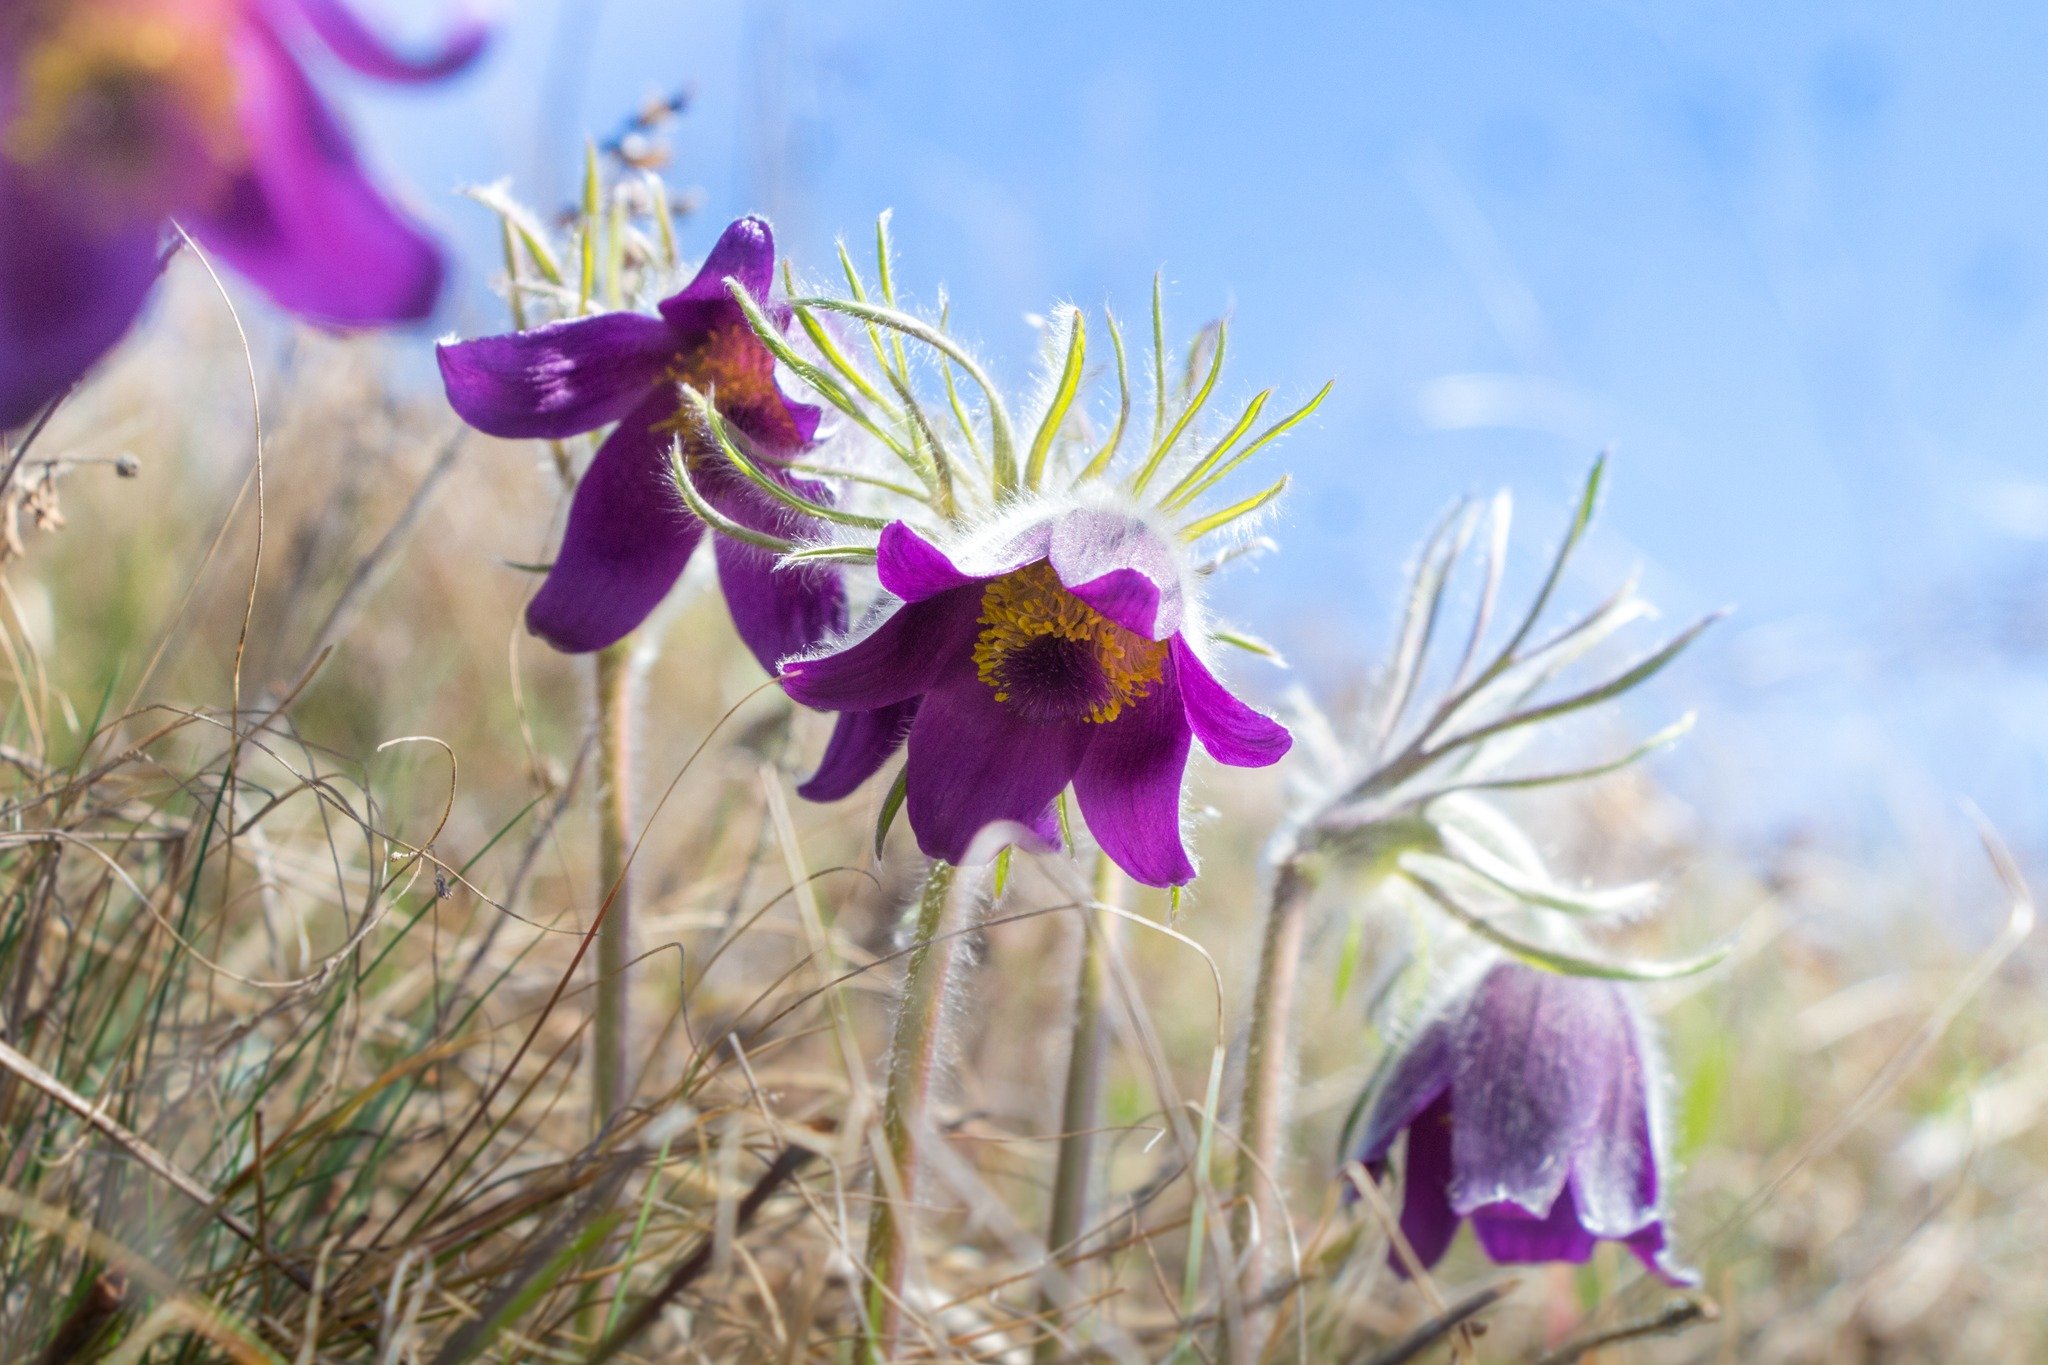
[(1529, 1107), (119, 115), (1058, 651), (629, 533)]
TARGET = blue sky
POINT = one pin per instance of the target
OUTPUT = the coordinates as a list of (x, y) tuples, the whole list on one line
[(1789, 261)]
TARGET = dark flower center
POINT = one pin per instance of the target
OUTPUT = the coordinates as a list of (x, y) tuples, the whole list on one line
[(720, 366), (137, 111), (724, 361), (1051, 657)]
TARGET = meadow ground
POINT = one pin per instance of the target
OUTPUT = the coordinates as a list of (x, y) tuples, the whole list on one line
[(298, 860)]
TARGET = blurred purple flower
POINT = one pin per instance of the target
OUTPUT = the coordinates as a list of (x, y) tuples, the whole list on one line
[(118, 115), (629, 533), (1529, 1110), (1059, 658)]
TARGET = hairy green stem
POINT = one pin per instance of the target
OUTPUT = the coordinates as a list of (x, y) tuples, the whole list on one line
[(1081, 1112), (912, 1061), (613, 1024), (1260, 1223)]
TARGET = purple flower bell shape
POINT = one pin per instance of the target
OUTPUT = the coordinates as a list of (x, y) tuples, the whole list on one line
[(117, 116), (1529, 1110), (1057, 651), (629, 533)]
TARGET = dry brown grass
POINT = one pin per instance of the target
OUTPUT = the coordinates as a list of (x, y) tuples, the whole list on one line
[(290, 984)]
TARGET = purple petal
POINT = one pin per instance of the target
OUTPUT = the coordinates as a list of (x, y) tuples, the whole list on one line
[(628, 538), (899, 659), (1047, 829), (361, 47), (1427, 1220), (862, 742), (1119, 565), (745, 251), (1232, 732), (1420, 1077), (974, 761), (558, 380), (732, 366), (1650, 1249), (779, 610), (67, 294), (1614, 1176), (913, 568), (1129, 788), (1510, 1236), (721, 354), (301, 219), (1535, 1050)]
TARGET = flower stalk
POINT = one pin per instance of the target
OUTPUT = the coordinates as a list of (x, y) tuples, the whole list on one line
[(1081, 1110), (913, 1060), (1269, 1051), (610, 1076)]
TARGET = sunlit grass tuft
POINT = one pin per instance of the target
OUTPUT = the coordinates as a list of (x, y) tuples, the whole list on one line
[(292, 998)]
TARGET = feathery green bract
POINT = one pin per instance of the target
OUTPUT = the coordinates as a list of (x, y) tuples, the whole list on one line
[(891, 805), (723, 434), (586, 285), (885, 402), (1216, 521), (828, 346), (1164, 445), (701, 508), (885, 277), (1158, 356), (1201, 483), (519, 220), (1104, 457), (1217, 451), (944, 500), (959, 409), (820, 382), (1560, 960), (1002, 444), (1435, 771), (664, 220), (1062, 400)]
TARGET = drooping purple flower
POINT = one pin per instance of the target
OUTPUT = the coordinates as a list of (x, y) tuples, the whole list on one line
[(1529, 1110), (1056, 656), (629, 533), (117, 116)]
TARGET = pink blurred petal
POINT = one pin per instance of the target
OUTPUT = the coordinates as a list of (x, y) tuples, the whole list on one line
[(302, 218), (68, 293), (367, 51)]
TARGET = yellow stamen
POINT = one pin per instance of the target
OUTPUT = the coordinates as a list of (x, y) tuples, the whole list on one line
[(1029, 608)]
